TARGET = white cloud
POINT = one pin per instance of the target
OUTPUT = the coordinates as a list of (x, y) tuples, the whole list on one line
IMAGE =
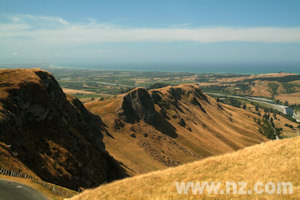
[(45, 31)]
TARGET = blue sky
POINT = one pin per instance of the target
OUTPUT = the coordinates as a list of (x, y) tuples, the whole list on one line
[(149, 33)]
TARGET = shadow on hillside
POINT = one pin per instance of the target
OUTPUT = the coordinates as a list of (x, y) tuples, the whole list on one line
[(162, 125)]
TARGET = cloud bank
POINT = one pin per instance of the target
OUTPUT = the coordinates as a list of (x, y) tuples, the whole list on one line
[(51, 31), (44, 39)]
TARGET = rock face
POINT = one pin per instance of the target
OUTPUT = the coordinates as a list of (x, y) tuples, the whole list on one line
[(51, 133), (138, 105)]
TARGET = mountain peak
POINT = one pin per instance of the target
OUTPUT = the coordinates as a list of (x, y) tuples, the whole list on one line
[(53, 135)]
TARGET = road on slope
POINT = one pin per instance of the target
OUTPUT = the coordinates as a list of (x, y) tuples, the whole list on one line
[(14, 191), (280, 108)]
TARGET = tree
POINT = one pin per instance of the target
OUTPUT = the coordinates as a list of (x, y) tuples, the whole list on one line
[(272, 122), (274, 87), (234, 102), (259, 114), (267, 129), (266, 116), (278, 131), (286, 103)]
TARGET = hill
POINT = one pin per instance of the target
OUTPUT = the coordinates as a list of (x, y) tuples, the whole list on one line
[(159, 128), (275, 161), (50, 135), (277, 86)]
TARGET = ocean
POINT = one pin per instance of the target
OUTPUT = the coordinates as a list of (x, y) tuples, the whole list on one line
[(209, 68)]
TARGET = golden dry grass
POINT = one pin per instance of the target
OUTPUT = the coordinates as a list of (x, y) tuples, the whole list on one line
[(297, 82), (261, 89), (241, 78), (276, 161), (293, 98), (12, 78), (73, 91), (212, 133)]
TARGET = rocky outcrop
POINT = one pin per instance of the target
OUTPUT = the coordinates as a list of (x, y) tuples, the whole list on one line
[(138, 105), (53, 134), (141, 123)]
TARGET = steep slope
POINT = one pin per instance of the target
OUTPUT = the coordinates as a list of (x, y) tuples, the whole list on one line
[(51, 134), (151, 130), (275, 161)]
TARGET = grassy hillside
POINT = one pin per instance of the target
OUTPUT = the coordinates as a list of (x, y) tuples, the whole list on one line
[(8, 161), (280, 122), (199, 127), (270, 161)]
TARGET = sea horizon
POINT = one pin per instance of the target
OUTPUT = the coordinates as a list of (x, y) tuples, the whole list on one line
[(235, 69)]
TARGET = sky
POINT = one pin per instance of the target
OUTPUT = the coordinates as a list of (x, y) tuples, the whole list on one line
[(164, 33)]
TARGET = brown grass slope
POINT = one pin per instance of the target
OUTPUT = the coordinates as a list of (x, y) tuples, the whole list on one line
[(8, 161), (151, 130), (51, 134), (272, 161)]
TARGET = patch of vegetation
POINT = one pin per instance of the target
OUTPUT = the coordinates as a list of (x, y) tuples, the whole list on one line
[(203, 79), (295, 107), (289, 125), (232, 101), (279, 79), (267, 127), (82, 96), (126, 90), (274, 88), (127, 82), (215, 88), (157, 85), (244, 87), (289, 88)]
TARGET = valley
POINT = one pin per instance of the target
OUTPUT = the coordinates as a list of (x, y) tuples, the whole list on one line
[(279, 88), (48, 134), (149, 100)]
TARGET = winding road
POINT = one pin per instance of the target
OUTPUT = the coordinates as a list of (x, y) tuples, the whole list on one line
[(280, 108), (15, 191)]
